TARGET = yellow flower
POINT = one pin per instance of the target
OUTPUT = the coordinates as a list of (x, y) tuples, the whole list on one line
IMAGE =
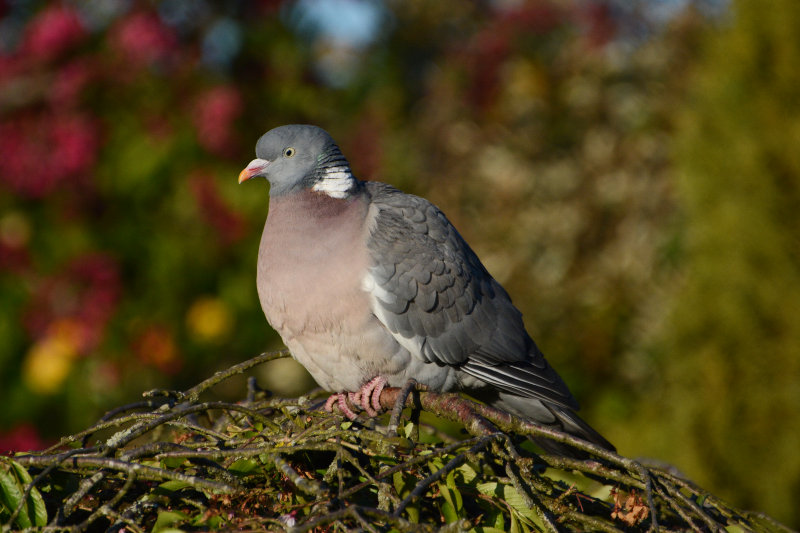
[(209, 319), (48, 362)]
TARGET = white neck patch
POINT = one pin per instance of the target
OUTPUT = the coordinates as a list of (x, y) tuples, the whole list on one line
[(337, 182)]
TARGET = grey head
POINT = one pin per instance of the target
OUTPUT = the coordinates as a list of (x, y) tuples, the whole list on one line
[(298, 157)]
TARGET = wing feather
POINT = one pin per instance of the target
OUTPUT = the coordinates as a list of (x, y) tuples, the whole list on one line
[(432, 293)]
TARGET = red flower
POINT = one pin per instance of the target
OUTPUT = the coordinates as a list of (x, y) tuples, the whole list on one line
[(42, 151), (54, 30), (143, 39), (156, 347), (74, 144), (598, 23), (492, 46), (214, 114), (69, 83), (86, 292), (10, 67), (22, 438)]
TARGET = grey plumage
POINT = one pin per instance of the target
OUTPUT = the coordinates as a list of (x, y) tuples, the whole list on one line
[(362, 280)]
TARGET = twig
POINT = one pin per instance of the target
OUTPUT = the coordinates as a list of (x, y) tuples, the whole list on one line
[(193, 393), (454, 463), (142, 471)]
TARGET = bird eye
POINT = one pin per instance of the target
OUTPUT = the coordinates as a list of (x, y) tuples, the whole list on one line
[(288, 152)]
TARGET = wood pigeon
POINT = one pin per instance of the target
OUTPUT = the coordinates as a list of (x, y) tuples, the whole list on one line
[(369, 287)]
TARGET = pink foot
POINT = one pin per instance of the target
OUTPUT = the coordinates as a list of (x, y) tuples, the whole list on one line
[(340, 399), (371, 395), (368, 397), (354, 397)]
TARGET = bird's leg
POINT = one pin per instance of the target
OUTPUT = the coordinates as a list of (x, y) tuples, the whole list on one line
[(341, 399), (371, 395), (397, 410)]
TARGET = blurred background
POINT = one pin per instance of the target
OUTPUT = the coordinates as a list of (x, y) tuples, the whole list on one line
[(629, 170)]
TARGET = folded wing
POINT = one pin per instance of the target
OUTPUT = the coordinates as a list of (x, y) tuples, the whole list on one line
[(432, 293)]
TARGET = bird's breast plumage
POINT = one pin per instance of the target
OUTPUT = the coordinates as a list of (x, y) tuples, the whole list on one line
[(311, 264), (309, 260)]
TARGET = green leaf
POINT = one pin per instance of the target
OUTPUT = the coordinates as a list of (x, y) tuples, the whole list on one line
[(244, 466), (10, 496), (215, 522), (445, 492), (514, 528), (500, 521), (167, 519), (458, 502), (448, 512), (468, 473), (521, 509), (489, 488), (173, 462), (402, 484), (13, 480), (173, 485), (516, 501), (735, 528)]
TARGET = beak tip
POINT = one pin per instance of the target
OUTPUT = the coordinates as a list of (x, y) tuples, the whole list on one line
[(246, 174)]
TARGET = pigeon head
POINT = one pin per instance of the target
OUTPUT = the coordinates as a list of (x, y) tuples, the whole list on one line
[(299, 157)]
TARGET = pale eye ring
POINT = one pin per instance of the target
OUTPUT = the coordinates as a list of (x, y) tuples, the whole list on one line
[(289, 152)]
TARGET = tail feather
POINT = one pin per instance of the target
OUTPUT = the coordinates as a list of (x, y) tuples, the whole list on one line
[(557, 417)]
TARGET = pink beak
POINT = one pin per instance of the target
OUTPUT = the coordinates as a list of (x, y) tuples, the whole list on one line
[(256, 167)]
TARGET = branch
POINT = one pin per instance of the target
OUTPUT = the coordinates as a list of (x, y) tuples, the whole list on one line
[(278, 463)]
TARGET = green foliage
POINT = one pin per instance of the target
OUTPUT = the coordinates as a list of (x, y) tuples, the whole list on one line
[(731, 345), (14, 480)]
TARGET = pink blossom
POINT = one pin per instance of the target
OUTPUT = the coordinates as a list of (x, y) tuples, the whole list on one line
[(74, 144), (21, 438), (54, 30), (598, 23), (23, 166), (214, 114), (42, 151), (10, 67), (492, 46), (14, 259), (69, 83), (143, 39), (86, 293)]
